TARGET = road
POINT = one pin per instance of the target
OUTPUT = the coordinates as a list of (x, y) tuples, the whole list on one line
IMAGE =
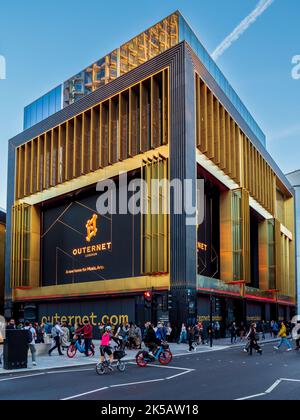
[(222, 375)]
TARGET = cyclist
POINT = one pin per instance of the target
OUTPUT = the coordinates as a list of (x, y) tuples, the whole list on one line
[(150, 339), (104, 345)]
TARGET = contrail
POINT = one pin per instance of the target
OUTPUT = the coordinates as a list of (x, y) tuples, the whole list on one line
[(241, 28)]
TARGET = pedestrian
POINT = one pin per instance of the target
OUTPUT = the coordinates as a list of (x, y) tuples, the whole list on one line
[(263, 329), (161, 332), (131, 336), (39, 332), (201, 333), (31, 341), (138, 336), (183, 334), (56, 334), (101, 329), (87, 331), (233, 333), (65, 338), (217, 329), (253, 338), (275, 328), (169, 332), (191, 336), (11, 325), (122, 335), (242, 331), (283, 333), (210, 334), (196, 334)]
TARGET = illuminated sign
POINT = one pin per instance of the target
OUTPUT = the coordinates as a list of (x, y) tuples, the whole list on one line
[(79, 245), (201, 246), (93, 249), (91, 228)]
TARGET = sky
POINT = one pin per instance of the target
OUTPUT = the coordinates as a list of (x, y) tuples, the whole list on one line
[(46, 42)]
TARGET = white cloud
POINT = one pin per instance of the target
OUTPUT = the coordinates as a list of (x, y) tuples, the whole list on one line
[(241, 28)]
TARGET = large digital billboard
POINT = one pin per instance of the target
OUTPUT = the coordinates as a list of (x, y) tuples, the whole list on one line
[(80, 245)]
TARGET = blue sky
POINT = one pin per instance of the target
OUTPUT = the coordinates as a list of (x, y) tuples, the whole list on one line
[(45, 42)]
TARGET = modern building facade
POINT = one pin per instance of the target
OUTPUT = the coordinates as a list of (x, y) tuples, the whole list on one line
[(294, 178), (2, 257), (156, 108)]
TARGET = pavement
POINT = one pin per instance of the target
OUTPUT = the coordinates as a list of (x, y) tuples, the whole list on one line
[(224, 374), (45, 362)]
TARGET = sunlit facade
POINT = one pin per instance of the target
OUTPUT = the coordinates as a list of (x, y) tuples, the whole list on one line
[(172, 117)]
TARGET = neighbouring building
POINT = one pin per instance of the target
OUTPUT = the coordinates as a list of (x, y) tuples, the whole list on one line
[(2, 258), (294, 178), (157, 107)]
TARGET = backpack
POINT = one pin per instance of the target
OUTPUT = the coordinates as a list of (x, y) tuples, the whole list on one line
[(29, 336)]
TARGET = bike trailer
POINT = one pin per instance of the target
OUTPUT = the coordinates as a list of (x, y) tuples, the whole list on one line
[(119, 354)]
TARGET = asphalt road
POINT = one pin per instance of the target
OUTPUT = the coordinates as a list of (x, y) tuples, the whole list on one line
[(222, 375)]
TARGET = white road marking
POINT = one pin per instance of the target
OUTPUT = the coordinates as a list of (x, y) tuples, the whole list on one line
[(290, 380), (137, 383), (275, 385), (269, 390), (185, 371), (251, 397), (69, 370), (179, 374), (164, 367), (84, 394), (22, 377)]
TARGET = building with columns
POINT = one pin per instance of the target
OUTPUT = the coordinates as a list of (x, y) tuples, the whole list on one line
[(158, 107)]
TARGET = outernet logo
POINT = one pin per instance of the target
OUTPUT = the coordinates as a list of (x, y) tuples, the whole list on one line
[(2, 68), (2, 329), (296, 68), (91, 228)]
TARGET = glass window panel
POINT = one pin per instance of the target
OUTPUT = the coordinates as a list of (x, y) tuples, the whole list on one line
[(45, 106), (39, 110), (58, 98), (52, 102), (33, 114)]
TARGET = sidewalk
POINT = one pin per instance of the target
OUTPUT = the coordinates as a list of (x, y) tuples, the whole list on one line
[(45, 362)]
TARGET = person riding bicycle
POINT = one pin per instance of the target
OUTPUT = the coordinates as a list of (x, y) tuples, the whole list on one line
[(104, 345), (150, 339)]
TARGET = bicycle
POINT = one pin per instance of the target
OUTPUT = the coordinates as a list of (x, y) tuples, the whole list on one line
[(163, 355), (105, 366), (77, 346)]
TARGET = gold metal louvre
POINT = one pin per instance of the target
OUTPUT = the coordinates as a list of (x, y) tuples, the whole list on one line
[(156, 220), (132, 122), (25, 266), (220, 138)]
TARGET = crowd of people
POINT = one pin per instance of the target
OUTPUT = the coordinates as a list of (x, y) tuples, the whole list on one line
[(131, 335)]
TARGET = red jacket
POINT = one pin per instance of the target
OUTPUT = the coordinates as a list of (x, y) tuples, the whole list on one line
[(87, 331)]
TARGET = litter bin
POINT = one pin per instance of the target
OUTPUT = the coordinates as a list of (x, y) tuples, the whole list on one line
[(15, 352)]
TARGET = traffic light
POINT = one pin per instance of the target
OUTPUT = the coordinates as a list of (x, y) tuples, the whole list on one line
[(148, 299)]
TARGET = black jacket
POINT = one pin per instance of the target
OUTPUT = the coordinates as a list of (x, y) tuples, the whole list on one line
[(150, 336)]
